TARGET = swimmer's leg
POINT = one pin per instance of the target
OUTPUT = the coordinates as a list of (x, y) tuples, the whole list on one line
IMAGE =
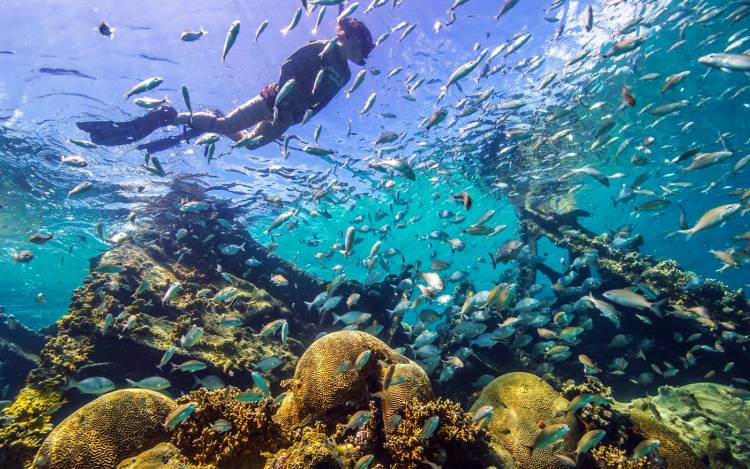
[(109, 133)]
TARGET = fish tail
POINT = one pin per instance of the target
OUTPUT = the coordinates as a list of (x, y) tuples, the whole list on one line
[(688, 233), (492, 259), (656, 307), (71, 384), (174, 367), (336, 317), (308, 304), (131, 383)]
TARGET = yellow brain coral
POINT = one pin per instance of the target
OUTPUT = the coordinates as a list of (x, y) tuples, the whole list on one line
[(521, 401), (321, 389), (107, 430), (674, 451), (161, 456)]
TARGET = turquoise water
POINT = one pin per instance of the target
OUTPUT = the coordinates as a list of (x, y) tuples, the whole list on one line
[(38, 109)]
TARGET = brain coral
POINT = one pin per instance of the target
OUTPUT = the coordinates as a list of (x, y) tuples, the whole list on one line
[(318, 391), (161, 456), (107, 430), (520, 401), (674, 451), (312, 451)]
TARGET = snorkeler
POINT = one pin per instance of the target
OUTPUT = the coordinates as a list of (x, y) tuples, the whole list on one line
[(268, 119)]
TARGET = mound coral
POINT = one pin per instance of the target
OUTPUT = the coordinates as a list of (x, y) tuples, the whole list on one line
[(321, 390), (313, 451), (161, 456), (107, 430), (521, 402), (252, 430)]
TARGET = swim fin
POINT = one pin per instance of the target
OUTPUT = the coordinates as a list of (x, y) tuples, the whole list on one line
[(171, 141), (109, 133)]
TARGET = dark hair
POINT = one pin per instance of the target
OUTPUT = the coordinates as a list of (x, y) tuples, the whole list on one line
[(349, 28)]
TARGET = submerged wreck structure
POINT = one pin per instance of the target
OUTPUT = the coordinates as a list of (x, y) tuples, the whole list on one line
[(249, 377)]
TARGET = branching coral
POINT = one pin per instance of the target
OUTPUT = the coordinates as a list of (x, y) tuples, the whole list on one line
[(457, 442), (611, 457), (252, 430), (64, 354), (26, 422)]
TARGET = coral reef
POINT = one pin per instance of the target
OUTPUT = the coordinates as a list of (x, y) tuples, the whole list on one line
[(320, 391), (325, 387), (252, 430), (26, 422), (521, 401), (312, 451), (104, 432), (611, 457), (711, 418), (161, 456), (457, 442)]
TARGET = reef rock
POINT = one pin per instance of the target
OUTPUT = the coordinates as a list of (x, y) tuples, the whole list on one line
[(712, 419), (320, 390), (522, 402), (106, 431)]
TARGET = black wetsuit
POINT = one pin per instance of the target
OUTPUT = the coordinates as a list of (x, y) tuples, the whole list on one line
[(303, 66)]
